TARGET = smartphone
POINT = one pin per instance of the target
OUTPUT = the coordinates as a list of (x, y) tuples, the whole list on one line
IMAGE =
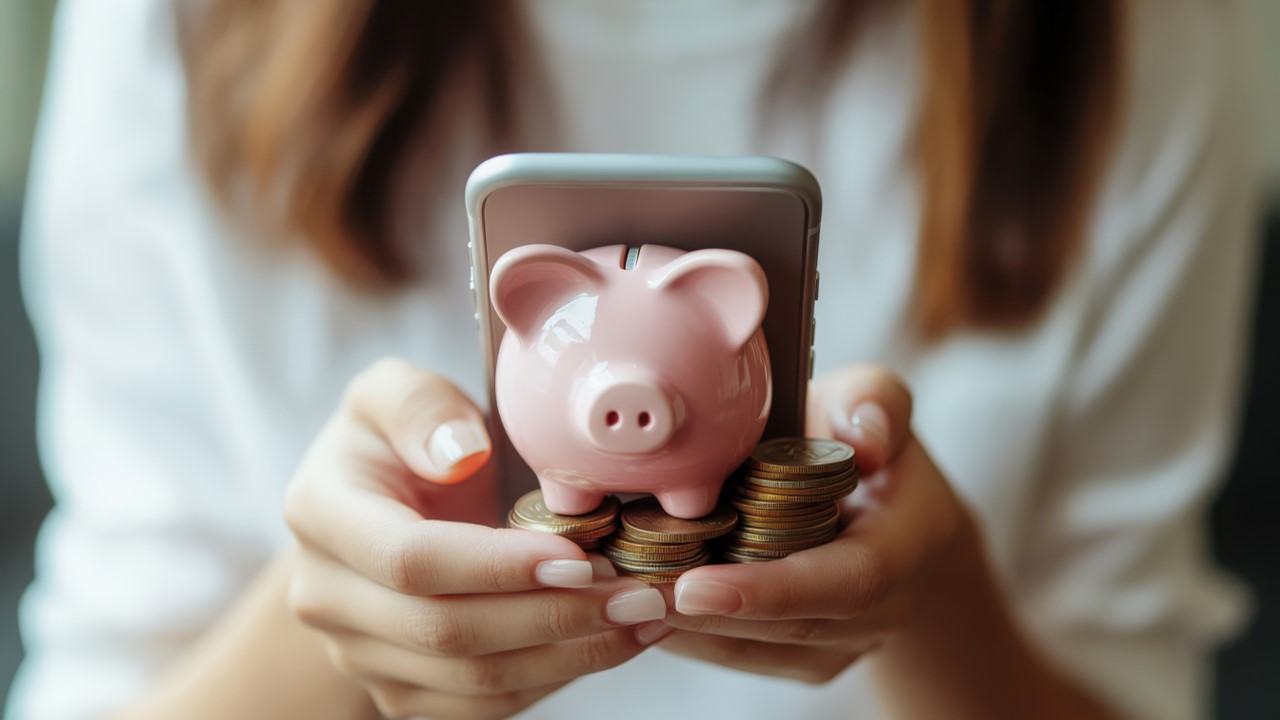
[(765, 207)]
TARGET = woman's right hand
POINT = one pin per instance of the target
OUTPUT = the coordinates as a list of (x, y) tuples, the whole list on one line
[(434, 616)]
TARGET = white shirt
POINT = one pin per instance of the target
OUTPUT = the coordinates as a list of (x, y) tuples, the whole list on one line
[(187, 365)]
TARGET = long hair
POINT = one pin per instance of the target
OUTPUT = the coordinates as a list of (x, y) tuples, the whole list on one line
[(303, 107)]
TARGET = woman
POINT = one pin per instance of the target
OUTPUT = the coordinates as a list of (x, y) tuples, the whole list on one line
[(1037, 217)]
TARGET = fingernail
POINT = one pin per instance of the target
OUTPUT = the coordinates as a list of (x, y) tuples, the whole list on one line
[(455, 440), (651, 632), (635, 606), (704, 597), (870, 420), (563, 573)]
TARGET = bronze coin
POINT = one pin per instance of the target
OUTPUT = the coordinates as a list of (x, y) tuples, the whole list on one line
[(801, 456), (644, 519)]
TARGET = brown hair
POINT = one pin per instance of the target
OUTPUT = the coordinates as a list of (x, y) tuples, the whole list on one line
[(305, 105)]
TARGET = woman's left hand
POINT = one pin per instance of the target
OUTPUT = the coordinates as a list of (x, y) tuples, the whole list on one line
[(809, 616)]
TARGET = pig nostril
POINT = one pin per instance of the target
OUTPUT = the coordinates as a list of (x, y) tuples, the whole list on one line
[(611, 418), (645, 420)]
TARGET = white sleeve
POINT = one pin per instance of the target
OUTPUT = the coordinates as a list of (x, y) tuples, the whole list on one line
[(1115, 576), (147, 543)]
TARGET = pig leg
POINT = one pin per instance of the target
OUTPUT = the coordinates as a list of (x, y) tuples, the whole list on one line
[(564, 499), (689, 503)]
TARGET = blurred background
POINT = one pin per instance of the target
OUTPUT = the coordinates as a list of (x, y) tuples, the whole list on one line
[(1246, 528)]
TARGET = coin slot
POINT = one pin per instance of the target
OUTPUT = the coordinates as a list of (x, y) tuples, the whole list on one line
[(645, 420), (612, 418)]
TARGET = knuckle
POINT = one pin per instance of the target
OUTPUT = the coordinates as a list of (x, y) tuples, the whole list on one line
[(800, 632), (869, 585), (556, 618), (436, 628), (296, 502), (726, 650), (504, 705), (818, 674), (494, 569), (482, 675), (391, 701), (601, 652), (305, 604), (342, 660), (405, 568), (367, 380)]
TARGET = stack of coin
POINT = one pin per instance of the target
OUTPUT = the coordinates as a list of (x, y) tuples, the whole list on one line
[(655, 547), (531, 513), (785, 495)]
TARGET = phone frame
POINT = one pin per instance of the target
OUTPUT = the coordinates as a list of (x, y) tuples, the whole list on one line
[(594, 172)]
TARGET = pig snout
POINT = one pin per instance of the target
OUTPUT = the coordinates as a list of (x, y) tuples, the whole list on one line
[(626, 416)]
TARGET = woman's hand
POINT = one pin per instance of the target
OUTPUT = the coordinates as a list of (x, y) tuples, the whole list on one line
[(811, 615), (432, 616)]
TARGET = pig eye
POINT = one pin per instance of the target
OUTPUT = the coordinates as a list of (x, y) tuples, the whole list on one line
[(645, 419), (611, 418)]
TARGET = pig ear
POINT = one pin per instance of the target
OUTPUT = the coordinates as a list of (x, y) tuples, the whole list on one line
[(730, 283), (531, 282)]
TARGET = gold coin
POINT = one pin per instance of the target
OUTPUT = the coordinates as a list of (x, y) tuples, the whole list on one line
[(791, 481), (645, 559), (737, 557), (658, 567), (653, 551), (755, 542), (801, 456), (531, 513), (655, 578), (827, 514), (799, 513), (756, 508), (794, 534), (644, 519), (629, 545), (808, 497)]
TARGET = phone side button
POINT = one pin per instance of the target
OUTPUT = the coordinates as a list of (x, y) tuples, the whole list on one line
[(813, 329), (817, 284), (811, 355)]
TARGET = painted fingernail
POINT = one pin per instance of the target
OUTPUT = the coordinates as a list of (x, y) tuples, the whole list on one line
[(871, 420), (455, 440), (635, 606), (704, 597), (651, 632), (563, 573)]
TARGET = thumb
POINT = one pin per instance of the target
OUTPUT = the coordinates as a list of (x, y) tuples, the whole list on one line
[(433, 426), (867, 407)]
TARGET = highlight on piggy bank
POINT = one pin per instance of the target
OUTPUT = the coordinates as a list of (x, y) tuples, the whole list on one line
[(631, 370)]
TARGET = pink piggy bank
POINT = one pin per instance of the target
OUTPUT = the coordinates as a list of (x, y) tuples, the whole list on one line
[(640, 371)]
